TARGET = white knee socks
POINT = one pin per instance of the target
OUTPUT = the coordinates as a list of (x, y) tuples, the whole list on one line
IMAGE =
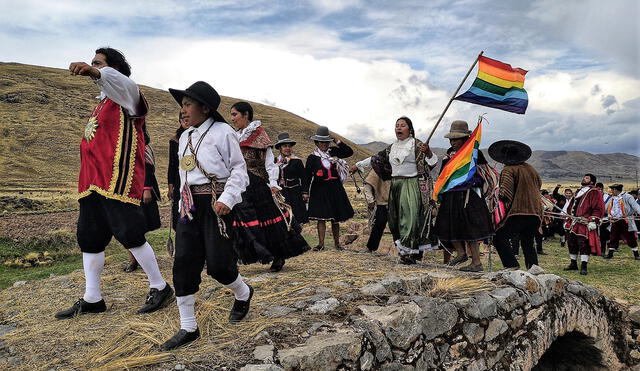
[(584, 258), (147, 259), (93, 265), (239, 288), (187, 309)]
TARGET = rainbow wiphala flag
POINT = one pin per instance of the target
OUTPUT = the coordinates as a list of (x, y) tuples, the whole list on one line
[(462, 166), (498, 85)]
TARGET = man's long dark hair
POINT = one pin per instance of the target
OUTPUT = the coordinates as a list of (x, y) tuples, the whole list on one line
[(115, 59)]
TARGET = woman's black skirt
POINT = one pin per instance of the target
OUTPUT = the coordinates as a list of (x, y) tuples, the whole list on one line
[(462, 216), (328, 201), (293, 196), (261, 232)]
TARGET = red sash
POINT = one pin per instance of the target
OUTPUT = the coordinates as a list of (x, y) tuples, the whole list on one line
[(112, 154)]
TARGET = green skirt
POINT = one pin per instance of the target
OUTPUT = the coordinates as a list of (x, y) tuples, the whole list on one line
[(406, 214)]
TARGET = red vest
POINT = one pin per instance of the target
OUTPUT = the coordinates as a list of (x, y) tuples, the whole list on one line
[(112, 154)]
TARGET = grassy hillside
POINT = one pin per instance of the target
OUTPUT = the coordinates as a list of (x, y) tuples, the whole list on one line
[(43, 112)]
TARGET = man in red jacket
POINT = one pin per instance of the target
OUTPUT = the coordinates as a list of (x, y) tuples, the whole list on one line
[(586, 210), (111, 182)]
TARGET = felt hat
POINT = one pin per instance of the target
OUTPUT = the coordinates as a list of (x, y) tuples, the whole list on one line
[(617, 187), (509, 152), (283, 138), (203, 93), (322, 135), (459, 129)]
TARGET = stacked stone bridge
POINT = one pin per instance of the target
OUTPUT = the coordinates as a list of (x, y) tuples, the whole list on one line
[(523, 321)]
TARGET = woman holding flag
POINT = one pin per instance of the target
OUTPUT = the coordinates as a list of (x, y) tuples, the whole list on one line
[(463, 217), (408, 163)]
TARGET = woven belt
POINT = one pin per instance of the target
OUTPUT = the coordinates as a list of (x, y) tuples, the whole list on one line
[(206, 189)]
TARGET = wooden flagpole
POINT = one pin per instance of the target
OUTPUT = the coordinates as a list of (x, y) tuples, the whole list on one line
[(454, 95)]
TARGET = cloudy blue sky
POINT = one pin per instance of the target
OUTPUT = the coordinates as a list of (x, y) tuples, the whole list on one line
[(356, 66)]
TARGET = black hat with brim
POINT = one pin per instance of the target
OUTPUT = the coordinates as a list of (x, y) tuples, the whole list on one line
[(203, 93), (509, 152), (284, 138)]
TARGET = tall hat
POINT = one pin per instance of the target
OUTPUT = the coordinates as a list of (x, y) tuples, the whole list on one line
[(203, 93), (509, 152), (322, 134), (459, 129), (283, 138)]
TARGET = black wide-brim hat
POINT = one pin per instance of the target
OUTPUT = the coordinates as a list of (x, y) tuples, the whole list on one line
[(203, 93), (284, 138), (509, 152), (322, 135)]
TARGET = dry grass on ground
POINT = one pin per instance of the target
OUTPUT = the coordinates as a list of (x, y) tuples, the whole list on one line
[(121, 339)]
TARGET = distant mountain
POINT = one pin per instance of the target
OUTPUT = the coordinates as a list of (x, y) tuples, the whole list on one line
[(43, 112), (566, 165)]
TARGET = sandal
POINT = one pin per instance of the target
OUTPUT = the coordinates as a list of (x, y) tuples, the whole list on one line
[(458, 259), (472, 268)]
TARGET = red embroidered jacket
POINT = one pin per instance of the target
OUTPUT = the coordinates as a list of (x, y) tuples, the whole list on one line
[(112, 153)]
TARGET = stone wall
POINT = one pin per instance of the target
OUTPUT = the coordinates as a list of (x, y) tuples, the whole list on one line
[(506, 327)]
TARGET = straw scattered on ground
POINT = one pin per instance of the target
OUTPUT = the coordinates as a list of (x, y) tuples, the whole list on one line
[(121, 339)]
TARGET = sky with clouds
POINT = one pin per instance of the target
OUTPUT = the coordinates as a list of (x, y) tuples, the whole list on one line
[(356, 66)]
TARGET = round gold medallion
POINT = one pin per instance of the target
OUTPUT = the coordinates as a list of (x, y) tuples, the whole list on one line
[(90, 129), (188, 162)]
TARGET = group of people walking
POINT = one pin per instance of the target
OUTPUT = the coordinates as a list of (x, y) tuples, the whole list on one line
[(235, 202)]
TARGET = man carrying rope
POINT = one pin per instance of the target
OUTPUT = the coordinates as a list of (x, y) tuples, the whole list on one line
[(585, 212), (620, 208), (519, 190)]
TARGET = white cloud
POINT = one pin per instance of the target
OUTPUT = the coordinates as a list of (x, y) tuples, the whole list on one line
[(337, 92)]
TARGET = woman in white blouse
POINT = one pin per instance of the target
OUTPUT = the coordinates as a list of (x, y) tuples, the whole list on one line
[(407, 162)]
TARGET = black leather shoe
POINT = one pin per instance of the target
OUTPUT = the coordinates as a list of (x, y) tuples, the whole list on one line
[(318, 248), (277, 265), (240, 308), (131, 267), (609, 254), (82, 307), (181, 338), (407, 259), (157, 299), (339, 248), (583, 269), (573, 266)]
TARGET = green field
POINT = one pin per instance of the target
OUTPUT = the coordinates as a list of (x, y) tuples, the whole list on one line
[(617, 278)]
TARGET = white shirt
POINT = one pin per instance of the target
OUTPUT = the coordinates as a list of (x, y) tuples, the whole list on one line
[(269, 162), (119, 88), (616, 211), (218, 154), (402, 158)]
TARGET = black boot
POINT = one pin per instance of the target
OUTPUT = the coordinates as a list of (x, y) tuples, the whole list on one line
[(609, 254), (636, 255), (583, 269), (181, 338), (82, 307), (573, 266)]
